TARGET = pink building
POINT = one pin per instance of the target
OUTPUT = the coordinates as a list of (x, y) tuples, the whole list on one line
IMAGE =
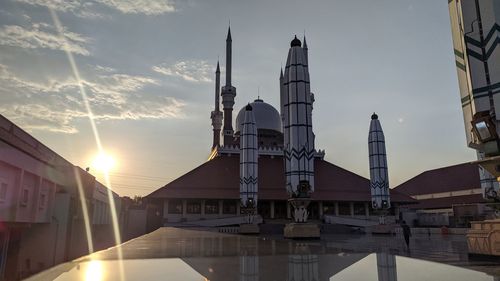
[(41, 218)]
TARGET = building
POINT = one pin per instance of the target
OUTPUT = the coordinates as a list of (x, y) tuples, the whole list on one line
[(449, 196), (42, 222), (211, 190)]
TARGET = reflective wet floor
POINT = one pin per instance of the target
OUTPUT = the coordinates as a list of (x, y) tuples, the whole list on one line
[(181, 254)]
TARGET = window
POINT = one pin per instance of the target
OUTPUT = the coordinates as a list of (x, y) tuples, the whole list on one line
[(193, 207), (344, 209), (211, 207), (328, 208), (280, 211), (229, 207), (25, 196), (43, 199), (175, 206), (3, 191), (359, 209)]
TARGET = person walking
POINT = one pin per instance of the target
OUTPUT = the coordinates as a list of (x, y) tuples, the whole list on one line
[(406, 233)]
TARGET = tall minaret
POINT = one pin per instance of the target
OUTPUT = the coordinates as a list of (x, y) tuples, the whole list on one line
[(298, 135), (216, 115), (248, 162), (379, 177), (228, 94)]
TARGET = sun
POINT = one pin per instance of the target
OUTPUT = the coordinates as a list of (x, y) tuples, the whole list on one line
[(103, 162)]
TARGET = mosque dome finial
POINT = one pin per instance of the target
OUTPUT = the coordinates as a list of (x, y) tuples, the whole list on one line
[(248, 107), (374, 116), (295, 42)]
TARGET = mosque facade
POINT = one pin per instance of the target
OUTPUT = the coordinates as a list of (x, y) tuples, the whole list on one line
[(213, 190)]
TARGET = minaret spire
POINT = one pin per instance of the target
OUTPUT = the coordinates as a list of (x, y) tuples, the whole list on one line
[(228, 94), (216, 115), (229, 53), (217, 87), (306, 50)]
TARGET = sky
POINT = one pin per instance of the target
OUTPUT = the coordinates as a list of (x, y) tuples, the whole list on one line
[(148, 66)]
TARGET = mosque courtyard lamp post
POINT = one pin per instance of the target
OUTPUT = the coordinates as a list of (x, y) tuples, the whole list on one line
[(298, 136), (249, 171), (473, 28), (379, 177)]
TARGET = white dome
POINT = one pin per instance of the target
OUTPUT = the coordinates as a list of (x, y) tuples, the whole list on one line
[(266, 116)]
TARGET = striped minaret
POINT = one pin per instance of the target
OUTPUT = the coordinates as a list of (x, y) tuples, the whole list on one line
[(298, 135), (379, 178), (248, 160)]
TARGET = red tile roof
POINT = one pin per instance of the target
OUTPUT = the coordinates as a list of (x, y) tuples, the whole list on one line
[(446, 179), (448, 202), (219, 179)]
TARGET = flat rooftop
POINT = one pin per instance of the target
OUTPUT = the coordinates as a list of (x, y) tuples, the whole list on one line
[(186, 254)]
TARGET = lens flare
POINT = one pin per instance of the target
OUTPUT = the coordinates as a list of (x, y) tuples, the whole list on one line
[(76, 73), (103, 162)]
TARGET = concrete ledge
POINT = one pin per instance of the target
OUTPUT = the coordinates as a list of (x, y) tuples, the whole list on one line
[(301, 230), (484, 237)]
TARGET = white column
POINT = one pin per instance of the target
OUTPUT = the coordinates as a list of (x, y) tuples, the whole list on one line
[(367, 210), (336, 204), (320, 211), (184, 208), (220, 208), (351, 207), (165, 208), (288, 210), (202, 208)]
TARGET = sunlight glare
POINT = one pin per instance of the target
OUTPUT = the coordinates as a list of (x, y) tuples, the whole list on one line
[(103, 162), (94, 271)]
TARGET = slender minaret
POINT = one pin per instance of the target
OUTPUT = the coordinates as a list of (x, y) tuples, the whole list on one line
[(379, 177), (298, 135), (248, 162), (228, 94), (216, 115)]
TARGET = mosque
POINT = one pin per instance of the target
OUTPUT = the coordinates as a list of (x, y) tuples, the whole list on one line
[(210, 193)]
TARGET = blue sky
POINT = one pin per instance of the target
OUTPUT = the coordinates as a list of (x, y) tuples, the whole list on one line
[(148, 66)]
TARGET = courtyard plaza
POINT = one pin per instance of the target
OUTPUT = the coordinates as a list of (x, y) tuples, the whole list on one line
[(171, 253)]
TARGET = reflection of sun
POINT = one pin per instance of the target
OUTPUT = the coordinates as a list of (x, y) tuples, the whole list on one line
[(103, 162), (94, 271)]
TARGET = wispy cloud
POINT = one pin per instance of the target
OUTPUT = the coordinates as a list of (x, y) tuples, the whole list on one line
[(55, 104), (147, 7), (90, 9), (43, 35), (191, 70)]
